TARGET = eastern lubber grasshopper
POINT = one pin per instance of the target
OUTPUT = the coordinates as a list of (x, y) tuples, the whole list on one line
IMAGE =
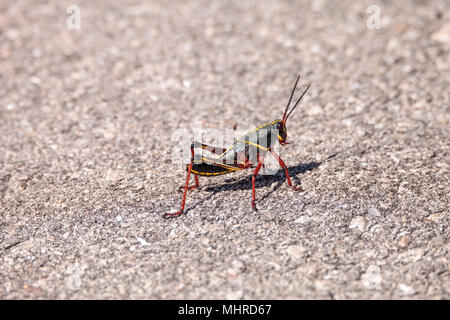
[(246, 152)]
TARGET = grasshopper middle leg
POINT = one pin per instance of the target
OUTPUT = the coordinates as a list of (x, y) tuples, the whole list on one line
[(255, 173)]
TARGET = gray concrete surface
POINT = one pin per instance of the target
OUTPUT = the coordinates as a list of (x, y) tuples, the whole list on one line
[(87, 118)]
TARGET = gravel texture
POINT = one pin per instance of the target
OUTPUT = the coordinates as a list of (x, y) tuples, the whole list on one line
[(88, 127)]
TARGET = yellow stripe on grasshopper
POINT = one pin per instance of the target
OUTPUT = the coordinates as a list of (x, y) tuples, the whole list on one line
[(267, 124), (254, 144), (229, 168), (209, 173)]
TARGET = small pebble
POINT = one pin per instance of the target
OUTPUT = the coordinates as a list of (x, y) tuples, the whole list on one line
[(373, 212), (406, 290), (236, 267), (295, 251), (372, 278), (404, 241), (358, 223), (143, 242), (442, 35)]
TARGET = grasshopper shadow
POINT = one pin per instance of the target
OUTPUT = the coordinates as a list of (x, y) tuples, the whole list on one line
[(261, 181), (265, 180)]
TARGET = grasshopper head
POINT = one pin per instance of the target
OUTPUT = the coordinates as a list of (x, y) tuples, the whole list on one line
[(281, 126), (282, 133)]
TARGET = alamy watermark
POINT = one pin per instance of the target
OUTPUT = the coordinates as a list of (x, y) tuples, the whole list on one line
[(374, 19), (74, 19)]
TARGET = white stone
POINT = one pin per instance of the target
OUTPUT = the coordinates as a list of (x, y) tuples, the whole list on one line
[(358, 223), (442, 35), (406, 290), (295, 251), (235, 295), (302, 219), (236, 267), (372, 278), (143, 242), (373, 212)]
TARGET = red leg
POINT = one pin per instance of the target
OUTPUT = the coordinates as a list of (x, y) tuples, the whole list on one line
[(253, 184), (186, 188), (285, 170), (191, 187)]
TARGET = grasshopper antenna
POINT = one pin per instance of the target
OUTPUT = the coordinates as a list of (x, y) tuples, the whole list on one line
[(297, 102), (290, 99)]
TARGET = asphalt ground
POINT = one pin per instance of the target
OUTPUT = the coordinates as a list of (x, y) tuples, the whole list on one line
[(89, 122)]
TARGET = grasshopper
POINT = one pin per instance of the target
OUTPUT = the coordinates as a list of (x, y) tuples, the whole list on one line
[(246, 152)]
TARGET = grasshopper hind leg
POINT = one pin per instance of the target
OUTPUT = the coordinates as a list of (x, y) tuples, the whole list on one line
[(186, 187)]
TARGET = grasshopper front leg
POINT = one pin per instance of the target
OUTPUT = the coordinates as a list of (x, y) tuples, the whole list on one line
[(281, 162)]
